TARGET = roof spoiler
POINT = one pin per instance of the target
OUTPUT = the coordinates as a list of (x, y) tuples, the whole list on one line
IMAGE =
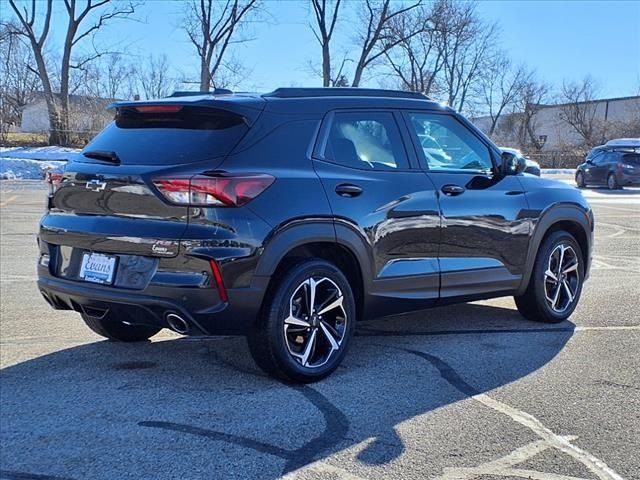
[(248, 110)]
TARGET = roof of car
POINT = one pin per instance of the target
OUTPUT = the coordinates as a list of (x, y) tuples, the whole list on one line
[(623, 142), (296, 100)]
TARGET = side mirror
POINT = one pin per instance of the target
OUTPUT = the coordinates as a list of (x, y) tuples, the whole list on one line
[(512, 164)]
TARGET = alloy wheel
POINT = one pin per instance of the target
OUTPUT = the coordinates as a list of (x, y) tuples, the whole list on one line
[(316, 324), (561, 279)]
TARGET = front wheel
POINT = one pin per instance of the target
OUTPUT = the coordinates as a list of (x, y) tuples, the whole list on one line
[(114, 329), (304, 331), (580, 180), (556, 281)]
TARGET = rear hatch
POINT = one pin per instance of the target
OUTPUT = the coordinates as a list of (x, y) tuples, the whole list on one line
[(106, 201)]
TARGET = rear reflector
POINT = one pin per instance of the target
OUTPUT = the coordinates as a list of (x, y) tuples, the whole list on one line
[(217, 276), (53, 178), (158, 108), (214, 191)]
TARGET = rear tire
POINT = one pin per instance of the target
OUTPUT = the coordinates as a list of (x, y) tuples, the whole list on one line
[(612, 182), (556, 280), (580, 180), (306, 325), (115, 329)]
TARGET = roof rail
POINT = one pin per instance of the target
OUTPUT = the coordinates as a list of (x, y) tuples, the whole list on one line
[(190, 93), (343, 92)]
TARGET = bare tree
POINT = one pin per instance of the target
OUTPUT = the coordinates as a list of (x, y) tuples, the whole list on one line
[(377, 37), (78, 28), (531, 99), (465, 43), (579, 110), (18, 84), (501, 84), (154, 77), (213, 25), (416, 60), (326, 13), (114, 74)]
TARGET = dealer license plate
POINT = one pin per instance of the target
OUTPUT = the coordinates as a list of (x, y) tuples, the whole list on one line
[(98, 268)]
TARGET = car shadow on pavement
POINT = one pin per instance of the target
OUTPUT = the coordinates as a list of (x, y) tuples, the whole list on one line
[(199, 408)]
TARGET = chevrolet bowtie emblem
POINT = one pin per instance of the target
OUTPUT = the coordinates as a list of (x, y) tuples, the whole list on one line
[(96, 185)]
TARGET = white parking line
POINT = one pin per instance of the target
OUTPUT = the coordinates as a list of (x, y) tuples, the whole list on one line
[(594, 464), (505, 466)]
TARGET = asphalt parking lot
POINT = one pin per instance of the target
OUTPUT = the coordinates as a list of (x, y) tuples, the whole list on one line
[(465, 392)]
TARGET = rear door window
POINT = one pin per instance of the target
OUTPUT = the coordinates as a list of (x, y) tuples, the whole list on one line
[(365, 140), (189, 135)]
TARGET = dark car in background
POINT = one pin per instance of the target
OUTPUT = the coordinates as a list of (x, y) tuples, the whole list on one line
[(532, 166), (613, 165), (288, 216)]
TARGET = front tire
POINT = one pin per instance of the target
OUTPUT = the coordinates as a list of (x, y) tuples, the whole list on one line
[(307, 324), (114, 329), (580, 180), (556, 280)]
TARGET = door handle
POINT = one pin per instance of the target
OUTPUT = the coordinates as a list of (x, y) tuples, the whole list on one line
[(452, 190), (348, 190)]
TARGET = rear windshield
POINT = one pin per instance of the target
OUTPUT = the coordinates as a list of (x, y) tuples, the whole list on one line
[(168, 138)]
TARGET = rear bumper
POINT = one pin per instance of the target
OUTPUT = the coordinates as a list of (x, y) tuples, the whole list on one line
[(200, 308), (627, 180)]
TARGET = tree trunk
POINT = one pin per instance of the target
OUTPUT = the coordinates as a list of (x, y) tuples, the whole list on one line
[(50, 98), (205, 77), (357, 76), (55, 129), (326, 66)]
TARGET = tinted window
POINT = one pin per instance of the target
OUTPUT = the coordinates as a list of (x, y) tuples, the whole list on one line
[(605, 158), (448, 145), (190, 135), (631, 158), (366, 140)]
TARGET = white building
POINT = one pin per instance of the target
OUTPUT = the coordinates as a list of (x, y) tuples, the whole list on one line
[(87, 114), (610, 118)]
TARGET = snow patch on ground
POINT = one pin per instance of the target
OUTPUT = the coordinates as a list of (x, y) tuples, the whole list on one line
[(558, 171), (39, 153), (31, 163)]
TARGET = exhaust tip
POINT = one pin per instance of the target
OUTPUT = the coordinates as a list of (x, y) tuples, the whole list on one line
[(177, 323)]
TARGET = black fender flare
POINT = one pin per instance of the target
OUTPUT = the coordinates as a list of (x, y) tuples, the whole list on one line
[(574, 213), (304, 231)]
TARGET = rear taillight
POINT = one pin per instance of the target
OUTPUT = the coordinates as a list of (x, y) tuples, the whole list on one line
[(214, 191), (53, 179)]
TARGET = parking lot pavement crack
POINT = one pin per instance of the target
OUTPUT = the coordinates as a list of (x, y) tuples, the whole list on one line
[(13, 475), (595, 465), (336, 427), (260, 447)]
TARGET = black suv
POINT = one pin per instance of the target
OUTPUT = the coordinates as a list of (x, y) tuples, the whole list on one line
[(289, 216), (612, 166)]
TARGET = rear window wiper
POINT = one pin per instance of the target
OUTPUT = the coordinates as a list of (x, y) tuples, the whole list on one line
[(104, 155)]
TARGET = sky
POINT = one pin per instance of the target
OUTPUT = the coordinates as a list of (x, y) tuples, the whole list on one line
[(560, 40)]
